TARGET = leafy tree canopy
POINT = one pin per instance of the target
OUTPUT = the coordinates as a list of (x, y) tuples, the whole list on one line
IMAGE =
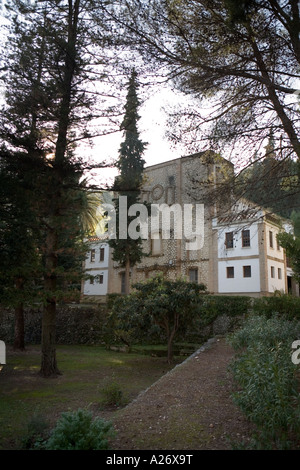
[(237, 60), (162, 302)]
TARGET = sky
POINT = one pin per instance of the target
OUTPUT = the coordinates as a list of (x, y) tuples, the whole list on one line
[(152, 127)]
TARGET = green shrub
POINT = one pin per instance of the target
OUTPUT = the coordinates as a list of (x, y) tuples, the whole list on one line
[(157, 307), (267, 380), (127, 323), (211, 307), (284, 305), (78, 430), (112, 395), (133, 319)]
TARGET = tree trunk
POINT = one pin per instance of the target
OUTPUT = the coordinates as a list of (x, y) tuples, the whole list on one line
[(48, 363), (285, 120)]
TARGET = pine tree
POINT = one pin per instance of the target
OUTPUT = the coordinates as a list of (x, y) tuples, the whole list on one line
[(49, 65), (128, 252)]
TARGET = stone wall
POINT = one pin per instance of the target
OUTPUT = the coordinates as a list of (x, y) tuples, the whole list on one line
[(86, 324), (74, 325), (172, 183)]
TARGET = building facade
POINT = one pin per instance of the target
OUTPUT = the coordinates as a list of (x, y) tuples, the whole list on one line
[(237, 251), (97, 268), (249, 259)]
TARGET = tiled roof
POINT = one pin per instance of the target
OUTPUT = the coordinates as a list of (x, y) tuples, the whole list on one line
[(236, 217), (98, 239)]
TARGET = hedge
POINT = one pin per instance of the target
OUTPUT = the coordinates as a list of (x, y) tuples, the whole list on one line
[(283, 305), (213, 306)]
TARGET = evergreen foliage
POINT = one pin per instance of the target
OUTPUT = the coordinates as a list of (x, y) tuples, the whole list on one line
[(284, 306), (79, 430), (127, 251), (47, 71), (238, 61), (271, 182), (267, 380), (169, 305)]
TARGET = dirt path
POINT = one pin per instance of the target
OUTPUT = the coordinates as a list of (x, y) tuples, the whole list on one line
[(188, 408)]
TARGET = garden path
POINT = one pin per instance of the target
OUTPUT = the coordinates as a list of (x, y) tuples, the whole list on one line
[(190, 407)]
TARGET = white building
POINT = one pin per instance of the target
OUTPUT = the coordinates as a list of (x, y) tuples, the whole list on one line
[(249, 258), (97, 267), (240, 254)]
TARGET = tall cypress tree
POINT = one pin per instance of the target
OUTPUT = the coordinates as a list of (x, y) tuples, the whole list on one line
[(128, 252)]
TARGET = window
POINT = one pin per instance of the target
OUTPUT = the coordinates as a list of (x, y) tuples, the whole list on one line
[(247, 271), (271, 239), (93, 252), (229, 239), (101, 279), (193, 275), (91, 280), (230, 272), (245, 238), (278, 246), (279, 273), (102, 254), (272, 272)]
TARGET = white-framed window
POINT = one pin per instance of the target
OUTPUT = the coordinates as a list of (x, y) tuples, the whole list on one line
[(92, 255), (271, 238), (272, 272), (102, 252), (229, 239), (245, 238), (278, 246)]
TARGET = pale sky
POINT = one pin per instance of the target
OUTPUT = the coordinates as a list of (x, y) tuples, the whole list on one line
[(152, 127)]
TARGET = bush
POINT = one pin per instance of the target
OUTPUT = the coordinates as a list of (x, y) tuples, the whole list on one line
[(132, 321), (212, 306), (284, 305), (112, 395), (127, 323), (78, 430), (157, 308), (267, 379)]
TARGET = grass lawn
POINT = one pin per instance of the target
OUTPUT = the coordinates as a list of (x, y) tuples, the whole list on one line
[(86, 371)]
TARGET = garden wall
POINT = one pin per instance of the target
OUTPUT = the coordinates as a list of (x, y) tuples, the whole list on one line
[(218, 315), (86, 324), (74, 325)]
